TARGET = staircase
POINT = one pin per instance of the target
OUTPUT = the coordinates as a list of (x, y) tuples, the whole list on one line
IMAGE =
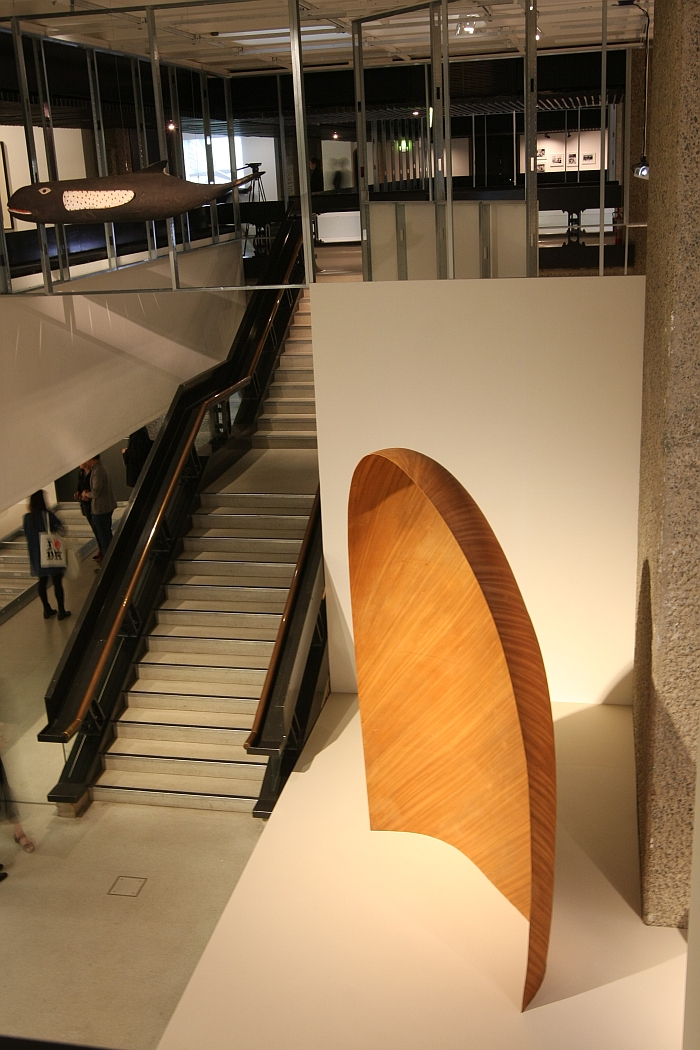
[(179, 741), (289, 416), (17, 586)]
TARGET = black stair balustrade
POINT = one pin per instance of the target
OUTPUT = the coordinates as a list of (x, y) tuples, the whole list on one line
[(296, 684), (87, 689)]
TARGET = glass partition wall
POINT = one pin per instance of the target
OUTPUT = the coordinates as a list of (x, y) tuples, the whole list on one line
[(456, 185), (86, 113)]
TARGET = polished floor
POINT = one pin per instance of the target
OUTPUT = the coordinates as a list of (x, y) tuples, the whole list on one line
[(392, 940), (80, 963)]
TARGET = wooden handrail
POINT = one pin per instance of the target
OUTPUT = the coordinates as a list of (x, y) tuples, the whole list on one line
[(105, 654), (265, 695)]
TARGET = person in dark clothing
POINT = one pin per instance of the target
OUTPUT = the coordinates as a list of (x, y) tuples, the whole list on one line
[(9, 815), (85, 506), (102, 501), (34, 524), (136, 455), (316, 170)]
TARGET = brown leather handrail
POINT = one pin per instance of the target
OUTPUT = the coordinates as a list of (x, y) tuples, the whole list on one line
[(266, 694), (139, 567)]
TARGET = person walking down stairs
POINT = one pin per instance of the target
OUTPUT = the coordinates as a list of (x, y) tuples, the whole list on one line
[(35, 523)]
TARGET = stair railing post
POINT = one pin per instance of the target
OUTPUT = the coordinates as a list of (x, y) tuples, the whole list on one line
[(302, 140)]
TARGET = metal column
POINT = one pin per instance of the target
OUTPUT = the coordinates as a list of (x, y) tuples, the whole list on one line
[(142, 144), (532, 214), (178, 151), (449, 217), (100, 147), (628, 152), (603, 113), (438, 140), (31, 147), (428, 137), (42, 81), (162, 137), (230, 131), (361, 135), (302, 140), (282, 139), (206, 119)]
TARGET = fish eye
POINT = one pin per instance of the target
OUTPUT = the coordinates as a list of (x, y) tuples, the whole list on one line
[(44, 189)]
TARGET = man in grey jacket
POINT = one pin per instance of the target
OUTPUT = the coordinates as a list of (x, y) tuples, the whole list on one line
[(102, 502)]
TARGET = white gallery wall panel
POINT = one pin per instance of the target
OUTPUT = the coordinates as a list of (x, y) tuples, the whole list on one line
[(529, 392), (78, 373)]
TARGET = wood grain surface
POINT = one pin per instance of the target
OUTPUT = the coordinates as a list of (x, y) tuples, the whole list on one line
[(456, 719)]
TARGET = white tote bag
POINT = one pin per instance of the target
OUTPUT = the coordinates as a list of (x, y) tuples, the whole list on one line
[(52, 549)]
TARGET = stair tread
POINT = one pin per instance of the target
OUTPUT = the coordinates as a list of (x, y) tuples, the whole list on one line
[(157, 658), (170, 782), (180, 749), (195, 719), (198, 689), (173, 632), (186, 605), (223, 558)]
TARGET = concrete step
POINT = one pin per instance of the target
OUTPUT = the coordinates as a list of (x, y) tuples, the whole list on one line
[(296, 361), (286, 423), (300, 390), (288, 373), (196, 727), (293, 439), (151, 694), (185, 612), (253, 652), (230, 518), (160, 789), (237, 599), (218, 669), (255, 573), (217, 543), (259, 502), (290, 406), (178, 758)]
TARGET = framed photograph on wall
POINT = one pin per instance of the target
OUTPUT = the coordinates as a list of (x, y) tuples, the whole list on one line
[(556, 160), (541, 151), (541, 167), (572, 159), (588, 158)]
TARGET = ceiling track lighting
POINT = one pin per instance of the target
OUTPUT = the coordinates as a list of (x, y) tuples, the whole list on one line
[(641, 170)]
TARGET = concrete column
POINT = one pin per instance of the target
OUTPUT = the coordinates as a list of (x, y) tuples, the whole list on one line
[(667, 693)]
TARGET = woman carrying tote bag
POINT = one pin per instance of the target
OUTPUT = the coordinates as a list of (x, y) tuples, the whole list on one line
[(47, 555)]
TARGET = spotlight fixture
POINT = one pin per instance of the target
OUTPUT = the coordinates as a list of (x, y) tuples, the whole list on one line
[(416, 113), (171, 126), (467, 27), (641, 170), (538, 33), (335, 134)]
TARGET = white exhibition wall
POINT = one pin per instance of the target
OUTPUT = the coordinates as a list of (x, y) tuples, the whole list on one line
[(529, 392), (70, 159), (78, 373)]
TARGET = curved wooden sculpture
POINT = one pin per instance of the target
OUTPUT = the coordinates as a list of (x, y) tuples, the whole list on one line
[(456, 719)]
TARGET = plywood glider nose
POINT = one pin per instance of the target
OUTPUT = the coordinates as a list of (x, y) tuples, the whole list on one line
[(456, 718)]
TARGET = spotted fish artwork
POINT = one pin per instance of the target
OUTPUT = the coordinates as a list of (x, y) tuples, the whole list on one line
[(143, 195)]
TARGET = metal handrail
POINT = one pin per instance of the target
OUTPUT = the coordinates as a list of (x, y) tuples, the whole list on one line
[(266, 694), (111, 638)]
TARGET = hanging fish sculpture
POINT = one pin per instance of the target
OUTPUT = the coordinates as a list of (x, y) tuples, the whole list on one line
[(143, 195)]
